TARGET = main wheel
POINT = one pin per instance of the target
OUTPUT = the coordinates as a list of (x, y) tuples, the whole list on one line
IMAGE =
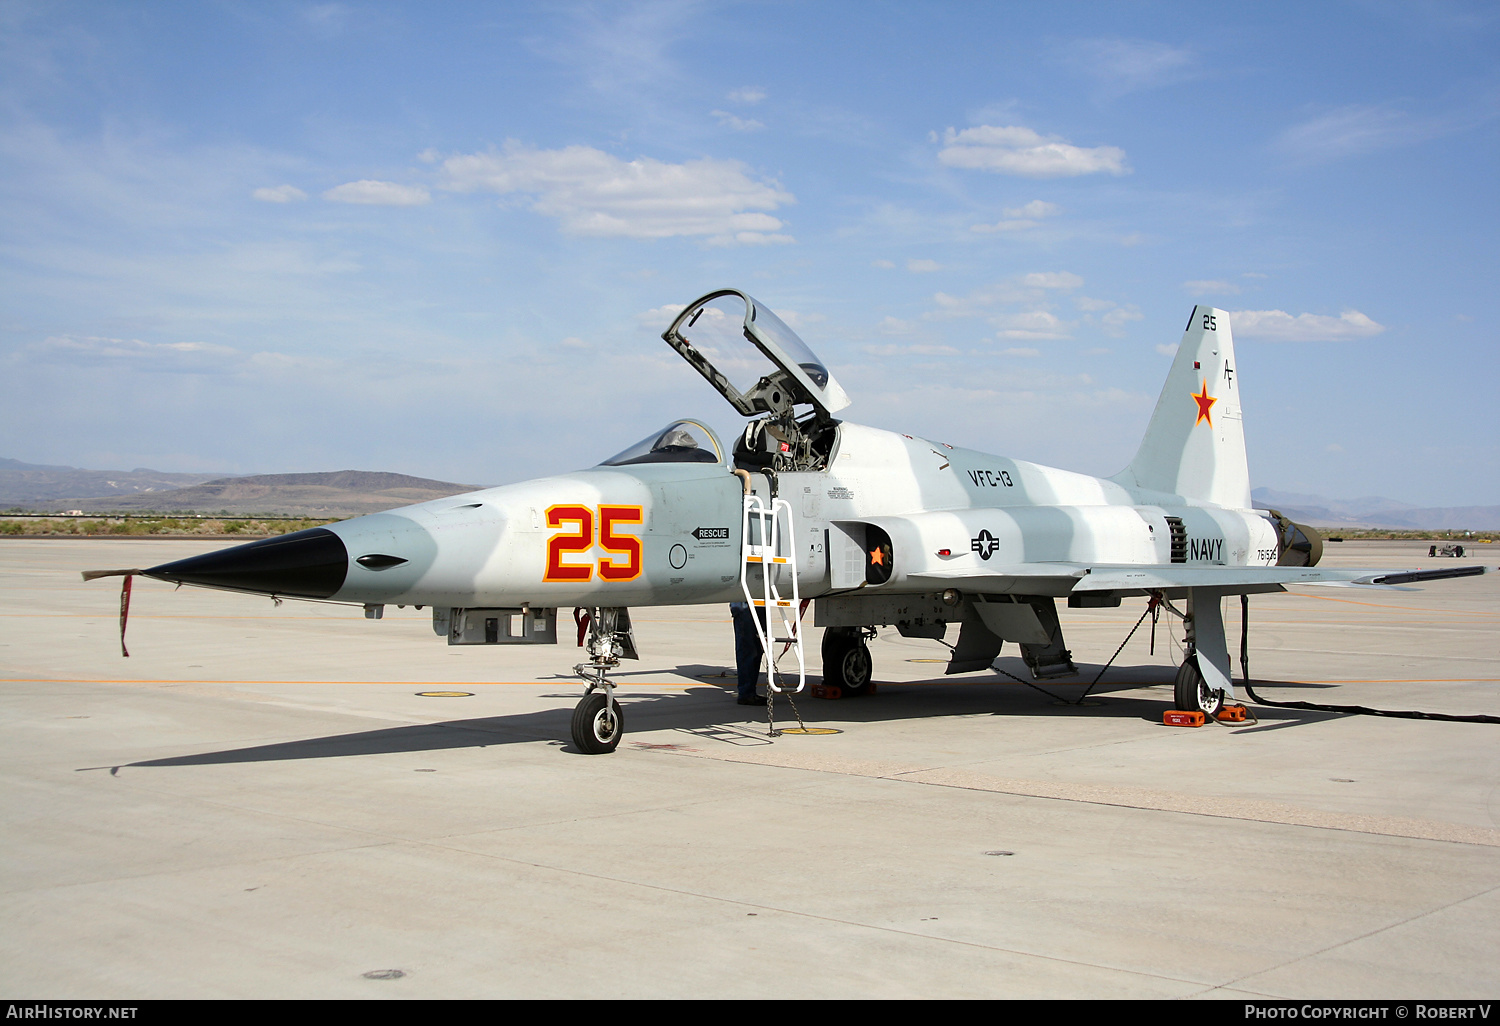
[(1192, 691), (598, 724), (846, 660)]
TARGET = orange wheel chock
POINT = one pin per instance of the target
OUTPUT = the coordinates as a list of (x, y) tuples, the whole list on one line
[(1180, 718)]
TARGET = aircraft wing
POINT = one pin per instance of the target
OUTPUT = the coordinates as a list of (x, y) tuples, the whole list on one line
[(1142, 578)]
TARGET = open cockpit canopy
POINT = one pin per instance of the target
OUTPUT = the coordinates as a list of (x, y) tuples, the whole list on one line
[(754, 360), (682, 441)]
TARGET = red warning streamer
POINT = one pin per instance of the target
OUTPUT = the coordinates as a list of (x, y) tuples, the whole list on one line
[(124, 613)]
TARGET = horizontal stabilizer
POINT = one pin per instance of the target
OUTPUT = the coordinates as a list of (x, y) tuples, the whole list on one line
[(1138, 577), (1414, 576)]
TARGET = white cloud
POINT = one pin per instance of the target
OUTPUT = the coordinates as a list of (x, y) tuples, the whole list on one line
[(793, 319), (751, 239), (1008, 225), (1280, 326), (1019, 219), (1030, 324), (133, 355), (1211, 288), (747, 94), (1036, 208), (155, 357), (96, 345), (663, 316), (1167, 348), (882, 264), (923, 266), (1115, 321), (1357, 129), (378, 194), (1030, 290), (1126, 65), (1093, 305), (330, 19), (739, 124), (594, 193), (280, 194), (1051, 280), (893, 349), (1014, 150), (1352, 130), (1021, 351)]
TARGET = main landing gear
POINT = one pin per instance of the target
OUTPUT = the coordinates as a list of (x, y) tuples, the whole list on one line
[(1203, 625), (1191, 692), (846, 659), (598, 721)]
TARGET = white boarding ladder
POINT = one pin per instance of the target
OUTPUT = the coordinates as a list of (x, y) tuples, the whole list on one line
[(762, 530)]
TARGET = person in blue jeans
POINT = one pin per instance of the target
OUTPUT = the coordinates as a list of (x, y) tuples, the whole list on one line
[(747, 651)]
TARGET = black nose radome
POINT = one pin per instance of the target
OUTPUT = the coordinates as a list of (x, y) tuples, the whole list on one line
[(305, 564)]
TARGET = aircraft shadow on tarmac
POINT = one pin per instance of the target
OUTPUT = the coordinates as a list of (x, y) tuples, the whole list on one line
[(704, 713)]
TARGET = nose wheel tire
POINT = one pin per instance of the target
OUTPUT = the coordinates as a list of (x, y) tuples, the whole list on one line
[(1191, 692), (598, 724), (846, 660)]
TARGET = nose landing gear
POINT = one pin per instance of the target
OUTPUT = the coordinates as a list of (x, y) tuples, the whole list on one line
[(598, 722)]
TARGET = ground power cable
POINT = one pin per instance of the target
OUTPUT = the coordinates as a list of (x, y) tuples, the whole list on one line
[(1353, 710)]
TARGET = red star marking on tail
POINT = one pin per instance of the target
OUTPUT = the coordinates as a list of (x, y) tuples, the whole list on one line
[(1205, 403)]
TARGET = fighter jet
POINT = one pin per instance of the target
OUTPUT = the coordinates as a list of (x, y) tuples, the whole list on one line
[(876, 528)]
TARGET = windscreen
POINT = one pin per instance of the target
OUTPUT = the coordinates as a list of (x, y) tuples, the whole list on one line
[(682, 441)]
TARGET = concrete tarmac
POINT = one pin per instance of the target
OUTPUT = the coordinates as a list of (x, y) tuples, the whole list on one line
[(260, 803)]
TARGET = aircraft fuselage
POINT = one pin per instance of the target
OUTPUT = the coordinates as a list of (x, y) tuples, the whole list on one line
[(669, 534)]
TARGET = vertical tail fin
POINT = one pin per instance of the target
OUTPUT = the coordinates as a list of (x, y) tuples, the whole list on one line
[(1195, 444)]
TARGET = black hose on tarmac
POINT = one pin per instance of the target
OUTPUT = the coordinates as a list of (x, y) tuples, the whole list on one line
[(1355, 710)]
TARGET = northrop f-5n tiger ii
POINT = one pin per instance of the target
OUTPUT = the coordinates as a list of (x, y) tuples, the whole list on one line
[(875, 527)]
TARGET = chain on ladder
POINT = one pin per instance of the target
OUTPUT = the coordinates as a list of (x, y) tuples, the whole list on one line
[(771, 695)]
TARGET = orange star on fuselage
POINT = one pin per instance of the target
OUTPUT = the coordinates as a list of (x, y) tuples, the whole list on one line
[(877, 557), (1205, 403)]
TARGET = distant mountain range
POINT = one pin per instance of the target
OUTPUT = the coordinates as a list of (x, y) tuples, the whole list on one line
[(1317, 511), (33, 482), (37, 488), (337, 494)]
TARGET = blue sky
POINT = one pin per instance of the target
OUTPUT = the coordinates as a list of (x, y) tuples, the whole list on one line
[(444, 239)]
